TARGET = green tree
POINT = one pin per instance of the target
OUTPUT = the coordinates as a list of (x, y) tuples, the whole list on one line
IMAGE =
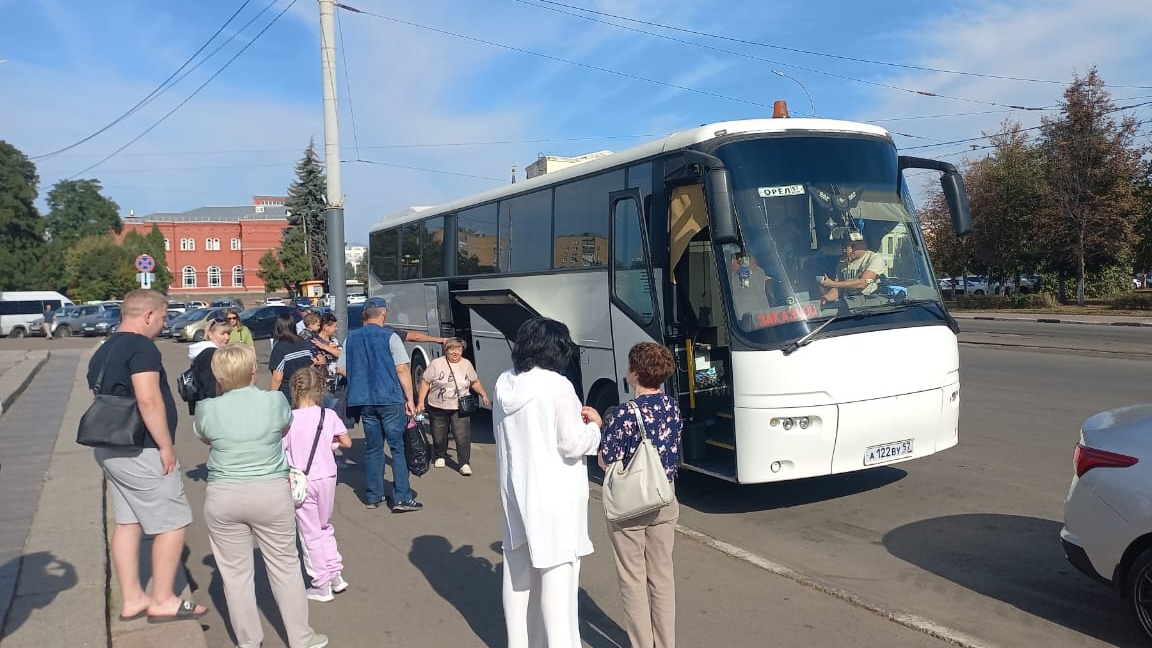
[(951, 255), (1092, 164), (98, 268), (307, 206), (287, 268), (1143, 252), (356, 272), (77, 209), (21, 228), (151, 244), (1006, 190)]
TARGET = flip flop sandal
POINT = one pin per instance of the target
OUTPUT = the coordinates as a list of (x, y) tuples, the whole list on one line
[(139, 615), (186, 612)]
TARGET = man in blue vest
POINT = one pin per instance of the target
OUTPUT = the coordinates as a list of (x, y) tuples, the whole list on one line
[(380, 387)]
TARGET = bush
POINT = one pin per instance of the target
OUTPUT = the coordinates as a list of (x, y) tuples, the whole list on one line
[(1133, 301)]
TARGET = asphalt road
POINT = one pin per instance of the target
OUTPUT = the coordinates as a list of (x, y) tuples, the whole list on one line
[(967, 538)]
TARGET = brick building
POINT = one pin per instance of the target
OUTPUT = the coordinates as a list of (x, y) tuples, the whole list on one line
[(217, 250)]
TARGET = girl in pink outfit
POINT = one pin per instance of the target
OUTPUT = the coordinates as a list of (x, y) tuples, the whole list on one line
[(316, 431)]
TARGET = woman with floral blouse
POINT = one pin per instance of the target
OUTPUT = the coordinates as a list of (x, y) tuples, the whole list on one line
[(643, 545)]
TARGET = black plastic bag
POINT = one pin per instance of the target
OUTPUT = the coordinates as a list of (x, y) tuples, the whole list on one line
[(417, 449)]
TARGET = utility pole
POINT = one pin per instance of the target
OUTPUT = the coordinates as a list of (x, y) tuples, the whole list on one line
[(337, 282)]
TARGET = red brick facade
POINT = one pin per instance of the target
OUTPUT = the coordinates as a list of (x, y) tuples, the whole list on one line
[(215, 250)]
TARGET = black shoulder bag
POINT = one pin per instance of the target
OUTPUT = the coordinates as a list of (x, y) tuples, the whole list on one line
[(111, 421), (466, 405)]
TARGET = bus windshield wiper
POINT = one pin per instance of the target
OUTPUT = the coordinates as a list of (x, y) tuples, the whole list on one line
[(811, 335)]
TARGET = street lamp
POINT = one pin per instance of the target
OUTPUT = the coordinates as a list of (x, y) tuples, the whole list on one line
[(811, 103)]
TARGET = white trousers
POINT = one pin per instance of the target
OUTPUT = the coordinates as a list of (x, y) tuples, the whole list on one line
[(540, 604)]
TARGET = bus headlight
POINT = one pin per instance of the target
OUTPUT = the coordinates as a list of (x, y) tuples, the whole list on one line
[(804, 422), (787, 423)]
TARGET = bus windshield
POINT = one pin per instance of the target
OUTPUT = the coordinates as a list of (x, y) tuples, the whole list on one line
[(803, 204)]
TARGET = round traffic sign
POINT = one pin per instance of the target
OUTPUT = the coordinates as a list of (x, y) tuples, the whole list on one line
[(145, 263)]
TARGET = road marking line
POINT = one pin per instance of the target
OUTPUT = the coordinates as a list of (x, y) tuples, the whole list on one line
[(912, 621)]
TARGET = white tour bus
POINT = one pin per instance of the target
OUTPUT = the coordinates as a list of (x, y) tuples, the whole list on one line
[(19, 309), (711, 241)]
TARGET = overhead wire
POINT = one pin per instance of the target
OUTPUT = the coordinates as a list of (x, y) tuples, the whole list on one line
[(189, 97), (157, 91), (804, 51)]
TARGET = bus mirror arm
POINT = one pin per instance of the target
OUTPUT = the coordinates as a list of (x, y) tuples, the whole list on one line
[(718, 194), (952, 184)]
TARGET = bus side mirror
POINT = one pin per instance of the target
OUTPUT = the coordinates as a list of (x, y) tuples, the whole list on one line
[(957, 198), (952, 184), (718, 189)]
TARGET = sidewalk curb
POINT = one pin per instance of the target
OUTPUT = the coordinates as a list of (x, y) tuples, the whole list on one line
[(28, 367), (1052, 320)]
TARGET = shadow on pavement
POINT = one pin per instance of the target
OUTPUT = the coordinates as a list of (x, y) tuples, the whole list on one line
[(43, 574), (471, 584), (711, 495), (265, 601), (1017, 560)]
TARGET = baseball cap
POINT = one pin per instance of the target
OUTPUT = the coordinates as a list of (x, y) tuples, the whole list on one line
[(375, 302)]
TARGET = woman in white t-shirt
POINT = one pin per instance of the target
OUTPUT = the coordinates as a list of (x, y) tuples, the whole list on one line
[(446, 379)]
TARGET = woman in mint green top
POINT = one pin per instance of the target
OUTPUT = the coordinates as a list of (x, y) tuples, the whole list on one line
[(248, 498)]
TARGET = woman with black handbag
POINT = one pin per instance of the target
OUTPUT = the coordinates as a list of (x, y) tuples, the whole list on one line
[(450, 391)]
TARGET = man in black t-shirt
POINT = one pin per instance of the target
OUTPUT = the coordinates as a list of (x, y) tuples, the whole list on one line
[(147, 490)]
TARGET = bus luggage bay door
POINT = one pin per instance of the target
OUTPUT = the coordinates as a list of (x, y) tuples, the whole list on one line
[(634, 306)]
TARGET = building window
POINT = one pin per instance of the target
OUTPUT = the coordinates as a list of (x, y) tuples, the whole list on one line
[(235, 243), (188, 244), (189, 277), (167, 245), (213, 276), (237, 275), (211, 244)]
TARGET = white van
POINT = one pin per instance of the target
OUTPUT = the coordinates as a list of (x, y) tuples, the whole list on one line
[(19, 309)]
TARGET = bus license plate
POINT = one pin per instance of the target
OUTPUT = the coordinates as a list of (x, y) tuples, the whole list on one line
[(886, 452)]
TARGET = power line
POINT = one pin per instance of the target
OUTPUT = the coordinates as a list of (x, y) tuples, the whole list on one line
[(854, 59), (157, 91), (521, 50), (415, 168), (189, 97)]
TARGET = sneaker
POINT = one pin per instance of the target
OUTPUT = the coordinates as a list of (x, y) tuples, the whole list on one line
[(466, 470), (318, 641), (338, 583), (322, 594), (408, 505), (372, 505), (439, 463)]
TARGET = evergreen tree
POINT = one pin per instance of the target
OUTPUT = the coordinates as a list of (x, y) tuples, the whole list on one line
[(21, 228), (287, 269), (307, 206), (1092, 165), (151, 244)]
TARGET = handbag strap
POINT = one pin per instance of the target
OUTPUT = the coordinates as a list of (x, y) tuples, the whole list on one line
[(315, 442), (452, 377), (100, 374), (639, 419)]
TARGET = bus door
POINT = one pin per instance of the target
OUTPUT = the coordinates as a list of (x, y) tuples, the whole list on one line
[(634, 311)]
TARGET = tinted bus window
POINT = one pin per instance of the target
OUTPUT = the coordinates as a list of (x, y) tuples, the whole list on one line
[(477, 245), (581, 217), (410, 258), (384, 262), (526, 231), (432, 245)]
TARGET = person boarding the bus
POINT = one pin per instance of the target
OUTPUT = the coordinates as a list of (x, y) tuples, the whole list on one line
[(859, 275)]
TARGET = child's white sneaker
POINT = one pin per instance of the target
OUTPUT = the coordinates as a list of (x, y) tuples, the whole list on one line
[(439, 463), (338, 583), (322, 594)]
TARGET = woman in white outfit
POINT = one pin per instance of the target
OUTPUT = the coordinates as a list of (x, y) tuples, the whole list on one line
[(542, 438)]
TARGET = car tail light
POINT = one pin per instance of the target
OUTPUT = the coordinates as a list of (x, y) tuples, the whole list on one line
[(1087, 458)]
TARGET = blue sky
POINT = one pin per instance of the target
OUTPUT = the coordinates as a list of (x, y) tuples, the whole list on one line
[(441, 98)]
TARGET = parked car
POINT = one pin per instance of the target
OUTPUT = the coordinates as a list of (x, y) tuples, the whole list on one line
[(1107, 513), (169, 319), (192, 305), (20, 309), (227, 303), (62, 326), (192, 327), (105, 322), (261, 319), (180, 307), (274, 301)]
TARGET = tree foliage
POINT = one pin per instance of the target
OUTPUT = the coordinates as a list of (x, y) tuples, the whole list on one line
[(21, 228), (307, 205), (99, 268), (287, 269), (78, 209), (1091, 164), (151, 244)]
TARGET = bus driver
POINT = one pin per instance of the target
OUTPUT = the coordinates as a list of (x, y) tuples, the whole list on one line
[(859, 274)]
